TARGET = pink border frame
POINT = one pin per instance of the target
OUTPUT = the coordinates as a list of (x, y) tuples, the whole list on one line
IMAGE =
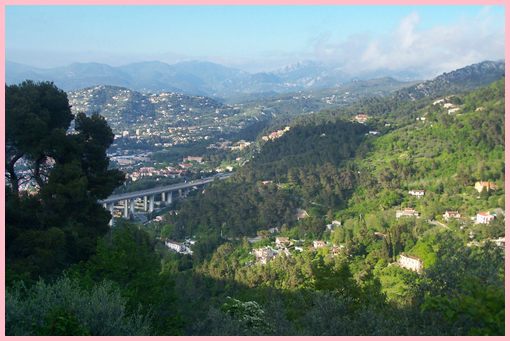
[(230, 2)]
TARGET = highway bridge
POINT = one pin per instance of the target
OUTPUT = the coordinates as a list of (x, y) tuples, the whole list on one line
[(148, 197)]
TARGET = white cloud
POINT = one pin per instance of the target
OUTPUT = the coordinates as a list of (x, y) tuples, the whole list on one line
[(426, 51)]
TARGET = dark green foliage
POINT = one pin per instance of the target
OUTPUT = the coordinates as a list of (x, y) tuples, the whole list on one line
[(314, 159), (306, 159), (471, 301), (61, 322), (232, 209), (476, 310), (126, 257), (37, 116), (60, 223), (250, 316), (319, 143)]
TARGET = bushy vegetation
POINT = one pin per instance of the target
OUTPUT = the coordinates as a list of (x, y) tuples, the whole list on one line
[(64, 308)]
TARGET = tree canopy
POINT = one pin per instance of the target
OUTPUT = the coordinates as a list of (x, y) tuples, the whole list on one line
[(59, 222)]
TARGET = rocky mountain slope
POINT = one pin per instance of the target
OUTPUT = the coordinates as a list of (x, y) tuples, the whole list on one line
[(460, 80)]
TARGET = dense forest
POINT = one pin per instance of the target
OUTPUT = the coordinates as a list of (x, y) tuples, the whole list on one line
[(65, 267)]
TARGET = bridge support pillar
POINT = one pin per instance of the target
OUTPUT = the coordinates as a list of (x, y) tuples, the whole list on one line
[(110, 223), (145, 208), (151, 203), (132, 206), (126, 204), (180, 193), (169, 198)]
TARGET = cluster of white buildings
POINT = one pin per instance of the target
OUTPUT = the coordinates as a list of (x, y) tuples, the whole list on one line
[(240, 145), (265, 254), (361, 117), (452, 108), (276, 134), (198, 159), (283, 245), (182, 248), (167, 172)]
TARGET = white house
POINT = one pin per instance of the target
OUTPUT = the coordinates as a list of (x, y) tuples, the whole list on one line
[(282, 241), (480, 185), (178, 247), (174, 245), (411, 263), (451, 215), (407, 212), (484, 218), (264, 255), (318, 244), (198, 159), (333, 224), (361, 117), (417, 192), (301, 214)]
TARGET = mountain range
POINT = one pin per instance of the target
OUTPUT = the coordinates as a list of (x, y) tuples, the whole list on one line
[(217, 81), (191, 77)]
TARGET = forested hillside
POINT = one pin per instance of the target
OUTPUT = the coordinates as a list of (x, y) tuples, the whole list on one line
[(335, 170), (309, 237)]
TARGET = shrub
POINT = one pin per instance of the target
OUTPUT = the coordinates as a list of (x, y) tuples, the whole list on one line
[(63, 308)]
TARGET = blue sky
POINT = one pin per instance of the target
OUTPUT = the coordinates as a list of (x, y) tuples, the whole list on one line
[(252, 37)]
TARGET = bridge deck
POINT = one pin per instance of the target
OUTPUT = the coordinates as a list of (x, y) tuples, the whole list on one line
[(163, 189)]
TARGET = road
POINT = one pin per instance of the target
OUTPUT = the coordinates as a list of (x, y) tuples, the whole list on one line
[(163, 189), (437, 223)]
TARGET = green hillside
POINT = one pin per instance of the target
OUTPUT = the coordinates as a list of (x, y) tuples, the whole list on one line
[(336, 170)]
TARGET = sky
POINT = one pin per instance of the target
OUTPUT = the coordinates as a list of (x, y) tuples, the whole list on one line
[(258, 38)]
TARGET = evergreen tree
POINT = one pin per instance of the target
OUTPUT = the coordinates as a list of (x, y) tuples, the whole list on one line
[(60, 223)]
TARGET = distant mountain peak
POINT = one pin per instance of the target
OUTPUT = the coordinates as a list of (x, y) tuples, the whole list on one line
[(459, 80), (299, 65)]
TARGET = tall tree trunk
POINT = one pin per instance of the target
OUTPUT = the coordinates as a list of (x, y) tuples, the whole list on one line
[(37, 171), (13, 177)]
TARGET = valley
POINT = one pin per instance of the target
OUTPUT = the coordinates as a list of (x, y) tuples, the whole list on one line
[(341, 211)]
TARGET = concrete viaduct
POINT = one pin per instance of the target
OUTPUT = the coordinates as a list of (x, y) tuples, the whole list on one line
[(128, 200)]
